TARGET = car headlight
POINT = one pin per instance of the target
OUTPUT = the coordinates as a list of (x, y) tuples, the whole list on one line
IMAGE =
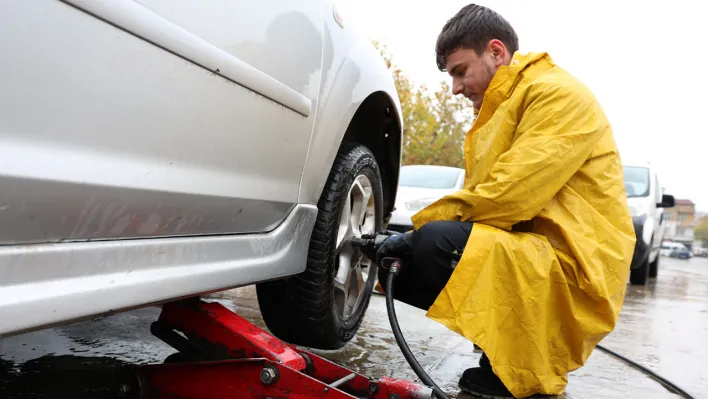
[(419, 204)]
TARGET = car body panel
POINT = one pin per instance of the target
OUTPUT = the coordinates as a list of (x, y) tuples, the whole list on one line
[(352, 72), (647, 214), (410, 200), (249, 51), (154, 150), (94, 278), (195, 148)]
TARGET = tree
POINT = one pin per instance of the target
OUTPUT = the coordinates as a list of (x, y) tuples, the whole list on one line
[(701, 232), (435, 122)]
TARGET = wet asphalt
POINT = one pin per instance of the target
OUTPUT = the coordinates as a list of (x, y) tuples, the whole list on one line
[(663, 326)]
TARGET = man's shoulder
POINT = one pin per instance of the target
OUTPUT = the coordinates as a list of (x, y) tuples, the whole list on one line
[(557, 83)]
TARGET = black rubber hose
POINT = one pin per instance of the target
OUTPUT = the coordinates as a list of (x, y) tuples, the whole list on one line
[(661, 380), (399, 336)]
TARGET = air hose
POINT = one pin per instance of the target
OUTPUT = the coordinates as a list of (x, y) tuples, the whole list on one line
[(670, 386), (425, 378)]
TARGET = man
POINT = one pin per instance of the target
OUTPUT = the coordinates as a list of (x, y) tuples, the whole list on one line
[(530, 259)]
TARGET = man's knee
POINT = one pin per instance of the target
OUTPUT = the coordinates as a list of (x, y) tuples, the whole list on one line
[(437, 246), (427, 236), (437, 236)]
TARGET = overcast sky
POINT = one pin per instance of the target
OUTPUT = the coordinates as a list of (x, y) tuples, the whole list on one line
[(645, 61)]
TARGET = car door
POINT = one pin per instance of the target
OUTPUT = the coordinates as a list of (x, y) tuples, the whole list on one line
[(153, 118)]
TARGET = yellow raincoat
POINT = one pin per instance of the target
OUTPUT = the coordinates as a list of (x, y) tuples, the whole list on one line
[(543, 276)]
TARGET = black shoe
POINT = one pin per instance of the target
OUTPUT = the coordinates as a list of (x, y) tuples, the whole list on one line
[(482, 382)]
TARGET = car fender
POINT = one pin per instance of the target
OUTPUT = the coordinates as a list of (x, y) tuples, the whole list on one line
[(648, 231), (353, 71)]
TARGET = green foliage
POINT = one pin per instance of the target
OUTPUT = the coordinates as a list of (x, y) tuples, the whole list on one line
[(435, 122), (701, 231)]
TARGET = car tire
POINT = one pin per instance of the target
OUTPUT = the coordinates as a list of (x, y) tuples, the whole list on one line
[(654, 267), (640, 275), (177, 357), (324, 306)]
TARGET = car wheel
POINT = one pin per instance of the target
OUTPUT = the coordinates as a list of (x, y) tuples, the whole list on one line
[(654, 267), (324, 306), (640, 275)]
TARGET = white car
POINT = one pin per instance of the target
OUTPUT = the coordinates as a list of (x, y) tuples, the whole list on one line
[(420, 186), (152, 150), (646, 203), (668, 248)]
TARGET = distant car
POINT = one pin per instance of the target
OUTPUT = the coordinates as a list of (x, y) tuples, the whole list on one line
[(682, 253), (701, 252), (157, 150), (646, 203), (420, 186), (668, 248)]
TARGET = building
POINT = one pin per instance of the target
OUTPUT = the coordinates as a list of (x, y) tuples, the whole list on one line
[(681, 222)]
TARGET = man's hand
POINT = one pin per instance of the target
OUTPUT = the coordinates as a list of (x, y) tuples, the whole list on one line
[(397, 246)]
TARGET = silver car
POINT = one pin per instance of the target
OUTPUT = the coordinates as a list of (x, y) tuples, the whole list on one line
[(420, 186), (152, 150)]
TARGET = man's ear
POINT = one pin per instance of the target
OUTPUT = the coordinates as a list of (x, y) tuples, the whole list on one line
[(498, 51)]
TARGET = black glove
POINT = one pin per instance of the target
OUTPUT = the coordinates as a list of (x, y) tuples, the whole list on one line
[(396, 246)]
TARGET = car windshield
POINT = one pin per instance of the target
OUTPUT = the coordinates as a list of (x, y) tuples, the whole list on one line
[(429, 177), (636, 181)]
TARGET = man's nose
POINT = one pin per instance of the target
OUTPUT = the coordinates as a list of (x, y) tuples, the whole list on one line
[(457, 87)]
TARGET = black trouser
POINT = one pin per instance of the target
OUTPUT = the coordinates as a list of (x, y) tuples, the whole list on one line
[(437, 247)]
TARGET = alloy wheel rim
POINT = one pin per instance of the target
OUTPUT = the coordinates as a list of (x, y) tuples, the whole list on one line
[(353, 267)]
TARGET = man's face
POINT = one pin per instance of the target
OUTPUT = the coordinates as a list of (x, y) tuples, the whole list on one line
[(471, 72)]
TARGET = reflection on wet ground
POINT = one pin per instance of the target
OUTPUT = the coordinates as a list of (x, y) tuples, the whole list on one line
[(663, 325)]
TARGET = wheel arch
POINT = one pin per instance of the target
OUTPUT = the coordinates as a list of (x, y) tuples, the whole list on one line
[(358, 103), (376, 126)]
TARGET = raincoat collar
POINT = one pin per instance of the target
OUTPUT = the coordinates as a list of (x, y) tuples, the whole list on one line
[(505, 80)]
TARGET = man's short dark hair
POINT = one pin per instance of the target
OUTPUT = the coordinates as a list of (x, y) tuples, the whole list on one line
[(473, 27)]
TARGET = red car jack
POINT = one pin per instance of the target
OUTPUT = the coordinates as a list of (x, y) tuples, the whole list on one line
[(222, 355)]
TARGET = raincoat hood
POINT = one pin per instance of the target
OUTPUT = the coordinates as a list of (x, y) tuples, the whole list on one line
[(543, 275)]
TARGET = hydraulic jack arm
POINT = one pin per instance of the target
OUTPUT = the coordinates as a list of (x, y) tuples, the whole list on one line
[(225, 356)]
